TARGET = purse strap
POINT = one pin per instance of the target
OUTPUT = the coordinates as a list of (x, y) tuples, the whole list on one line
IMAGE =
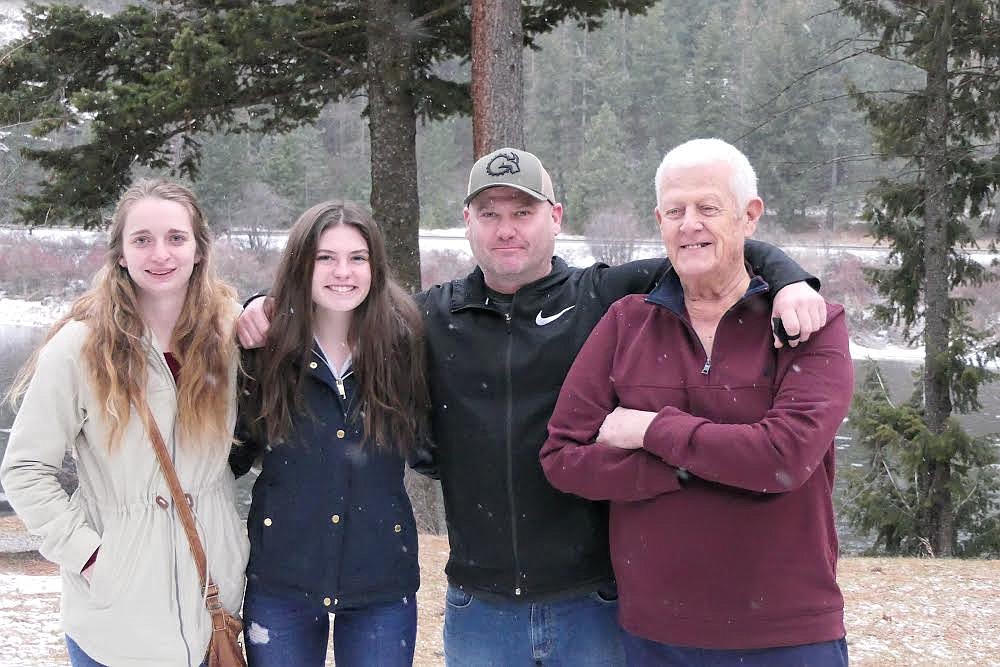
[(182, 502)]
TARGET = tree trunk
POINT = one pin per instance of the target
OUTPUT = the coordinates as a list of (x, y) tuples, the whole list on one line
[(937, 397), (392, 125), (497, 75)]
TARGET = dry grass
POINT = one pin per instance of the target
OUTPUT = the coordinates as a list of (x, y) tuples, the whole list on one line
[(902, 611), (910, 611)]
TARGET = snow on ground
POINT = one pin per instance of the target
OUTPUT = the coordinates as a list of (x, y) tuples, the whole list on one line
[(574, 249), (17, 312), (898, 611), (21, 313), (888, 353), (29, 615)]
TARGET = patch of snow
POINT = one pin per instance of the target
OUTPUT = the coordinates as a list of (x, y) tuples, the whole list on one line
[(21, 313), (888, 353), (11, 21), (17, 312), (23, 584), (29, 615)]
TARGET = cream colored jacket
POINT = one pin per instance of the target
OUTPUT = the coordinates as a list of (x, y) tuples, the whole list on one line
[(143, 605)]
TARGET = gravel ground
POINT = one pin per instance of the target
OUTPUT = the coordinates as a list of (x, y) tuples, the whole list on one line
[(901, 611)]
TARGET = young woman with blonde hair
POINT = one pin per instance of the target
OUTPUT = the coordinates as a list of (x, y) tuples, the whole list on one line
[(156, 327), (335, 404)]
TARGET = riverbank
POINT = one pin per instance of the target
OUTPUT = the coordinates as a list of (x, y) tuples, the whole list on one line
[(23, 313), (899, 611)]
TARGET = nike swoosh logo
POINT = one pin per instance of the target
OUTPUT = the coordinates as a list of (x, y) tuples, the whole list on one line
[(541, 320)]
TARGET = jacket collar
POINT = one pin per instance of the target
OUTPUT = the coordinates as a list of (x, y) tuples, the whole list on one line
[(318, 369), (670, 294), (473, 293)]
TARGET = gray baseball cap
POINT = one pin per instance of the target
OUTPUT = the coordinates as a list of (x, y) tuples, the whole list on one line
[(514, 168)]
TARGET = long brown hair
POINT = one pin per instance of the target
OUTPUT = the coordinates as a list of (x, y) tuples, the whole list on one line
[(115, 352), (385, 336)]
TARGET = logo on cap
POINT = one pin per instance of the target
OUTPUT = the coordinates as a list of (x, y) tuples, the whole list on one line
[(503, 163)]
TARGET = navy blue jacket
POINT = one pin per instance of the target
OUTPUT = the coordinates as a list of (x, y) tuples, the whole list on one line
[(330, 519)]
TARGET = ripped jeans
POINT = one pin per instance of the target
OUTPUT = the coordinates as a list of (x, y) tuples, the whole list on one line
[(287, 631)]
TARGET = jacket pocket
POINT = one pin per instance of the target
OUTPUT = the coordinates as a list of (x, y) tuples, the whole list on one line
[(282, 545), (112, 569)]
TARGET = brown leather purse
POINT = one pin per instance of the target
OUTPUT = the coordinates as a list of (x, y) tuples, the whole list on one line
[(224, 648)]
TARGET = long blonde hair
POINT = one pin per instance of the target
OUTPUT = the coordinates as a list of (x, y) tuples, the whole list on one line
[(115, 353)]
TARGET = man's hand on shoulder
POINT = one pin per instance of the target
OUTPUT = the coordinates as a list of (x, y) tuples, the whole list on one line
[(252, 326), (802, 311)]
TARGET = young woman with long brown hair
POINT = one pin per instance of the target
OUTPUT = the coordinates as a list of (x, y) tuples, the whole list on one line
[(156, 327), (334, 403)]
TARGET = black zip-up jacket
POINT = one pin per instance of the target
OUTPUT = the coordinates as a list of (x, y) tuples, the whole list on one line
[(495, 373), (330, 520)]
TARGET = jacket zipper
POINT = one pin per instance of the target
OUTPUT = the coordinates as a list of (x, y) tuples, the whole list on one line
[(339, 381), (510, 453)]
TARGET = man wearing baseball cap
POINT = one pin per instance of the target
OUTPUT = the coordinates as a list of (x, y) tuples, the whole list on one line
[(529, 572)]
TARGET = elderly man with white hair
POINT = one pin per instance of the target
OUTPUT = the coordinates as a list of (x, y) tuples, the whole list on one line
[(715, 449)]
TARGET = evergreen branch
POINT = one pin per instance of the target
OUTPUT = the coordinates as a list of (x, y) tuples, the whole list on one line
[(885, 392), (329, 29), (340, 62), (8, 54), (805, 75), (899, 491), (32, 121), (445, 8), (972, 492)]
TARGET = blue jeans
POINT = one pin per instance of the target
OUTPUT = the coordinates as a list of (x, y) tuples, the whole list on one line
[(283, 631), (77, 658), (579, 631), (645, 653)]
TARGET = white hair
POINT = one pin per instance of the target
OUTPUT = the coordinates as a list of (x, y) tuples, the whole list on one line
[(701, 152)]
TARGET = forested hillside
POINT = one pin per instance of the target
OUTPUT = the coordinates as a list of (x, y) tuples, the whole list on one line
[(601, 108)]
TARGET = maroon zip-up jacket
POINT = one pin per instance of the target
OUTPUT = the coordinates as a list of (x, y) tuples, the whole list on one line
[(721, 527)]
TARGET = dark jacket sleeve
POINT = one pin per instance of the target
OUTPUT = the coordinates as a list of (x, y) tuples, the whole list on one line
[(422, 460), (782, 450), (642, 275), (249, 438), (637, 277), (774, 266), (571, 460)]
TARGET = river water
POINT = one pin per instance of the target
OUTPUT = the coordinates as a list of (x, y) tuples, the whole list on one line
[(16, 344)]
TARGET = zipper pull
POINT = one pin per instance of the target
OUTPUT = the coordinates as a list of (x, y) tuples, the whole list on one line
[(340, 387), (707, 367)]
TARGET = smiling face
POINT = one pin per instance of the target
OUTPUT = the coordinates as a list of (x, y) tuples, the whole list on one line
[(342, 275), (702, 224), (512, 235), (158, 248)]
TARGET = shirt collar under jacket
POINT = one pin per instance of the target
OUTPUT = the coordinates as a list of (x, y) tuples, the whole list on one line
[(669, 292), (472, 291)]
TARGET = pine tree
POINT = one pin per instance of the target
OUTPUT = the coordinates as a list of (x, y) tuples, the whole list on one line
[(600, 185), (147, 80), (946, 131)]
